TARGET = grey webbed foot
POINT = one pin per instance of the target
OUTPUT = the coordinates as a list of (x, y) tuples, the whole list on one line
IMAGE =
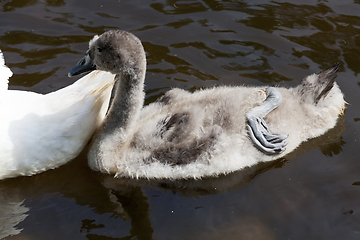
[(269, 143)]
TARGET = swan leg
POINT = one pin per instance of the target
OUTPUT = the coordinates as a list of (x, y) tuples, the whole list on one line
[(269, 143)]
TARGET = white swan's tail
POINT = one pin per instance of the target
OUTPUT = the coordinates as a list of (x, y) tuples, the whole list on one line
[(5, 74)]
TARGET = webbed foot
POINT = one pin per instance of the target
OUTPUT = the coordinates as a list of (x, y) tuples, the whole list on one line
[(269, 143)]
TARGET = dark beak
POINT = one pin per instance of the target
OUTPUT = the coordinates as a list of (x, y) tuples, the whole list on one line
[(85, 64)]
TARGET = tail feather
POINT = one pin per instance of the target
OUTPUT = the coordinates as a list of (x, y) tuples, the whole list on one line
[(327, 77), (5, 73)]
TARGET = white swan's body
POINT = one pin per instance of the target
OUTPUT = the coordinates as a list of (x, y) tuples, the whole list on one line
[(40, 132), (192, 135)]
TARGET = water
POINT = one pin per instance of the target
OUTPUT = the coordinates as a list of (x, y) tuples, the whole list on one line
[(311, 194)]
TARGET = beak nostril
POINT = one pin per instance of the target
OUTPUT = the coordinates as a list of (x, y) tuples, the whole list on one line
[(82, 66)]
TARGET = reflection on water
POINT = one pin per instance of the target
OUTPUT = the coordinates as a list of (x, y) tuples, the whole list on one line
[(12, 213), (310, 194)]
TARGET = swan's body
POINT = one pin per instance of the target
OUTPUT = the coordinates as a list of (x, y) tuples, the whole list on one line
[(40, 132), (192, 135)]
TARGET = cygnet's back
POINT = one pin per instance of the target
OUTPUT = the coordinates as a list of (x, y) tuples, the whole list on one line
[(204, 134)]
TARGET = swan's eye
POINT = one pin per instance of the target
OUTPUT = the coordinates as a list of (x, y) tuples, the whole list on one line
[(99, 49)]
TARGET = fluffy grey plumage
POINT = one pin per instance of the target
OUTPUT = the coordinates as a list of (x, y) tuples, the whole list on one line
[(191, 135)]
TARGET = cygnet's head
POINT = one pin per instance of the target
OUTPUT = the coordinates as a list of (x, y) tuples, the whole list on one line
[(114, 51)]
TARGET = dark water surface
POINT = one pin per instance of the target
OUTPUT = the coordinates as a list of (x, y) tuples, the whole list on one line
[(314, 193)]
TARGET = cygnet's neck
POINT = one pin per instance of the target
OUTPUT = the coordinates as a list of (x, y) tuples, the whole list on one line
[(124, 111)]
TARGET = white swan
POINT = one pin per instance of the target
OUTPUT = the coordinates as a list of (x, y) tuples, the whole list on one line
[(192, 135), (40, 132)]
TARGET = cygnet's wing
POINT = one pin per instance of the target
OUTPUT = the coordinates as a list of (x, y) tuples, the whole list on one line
[(269, 143), (5, 74)]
